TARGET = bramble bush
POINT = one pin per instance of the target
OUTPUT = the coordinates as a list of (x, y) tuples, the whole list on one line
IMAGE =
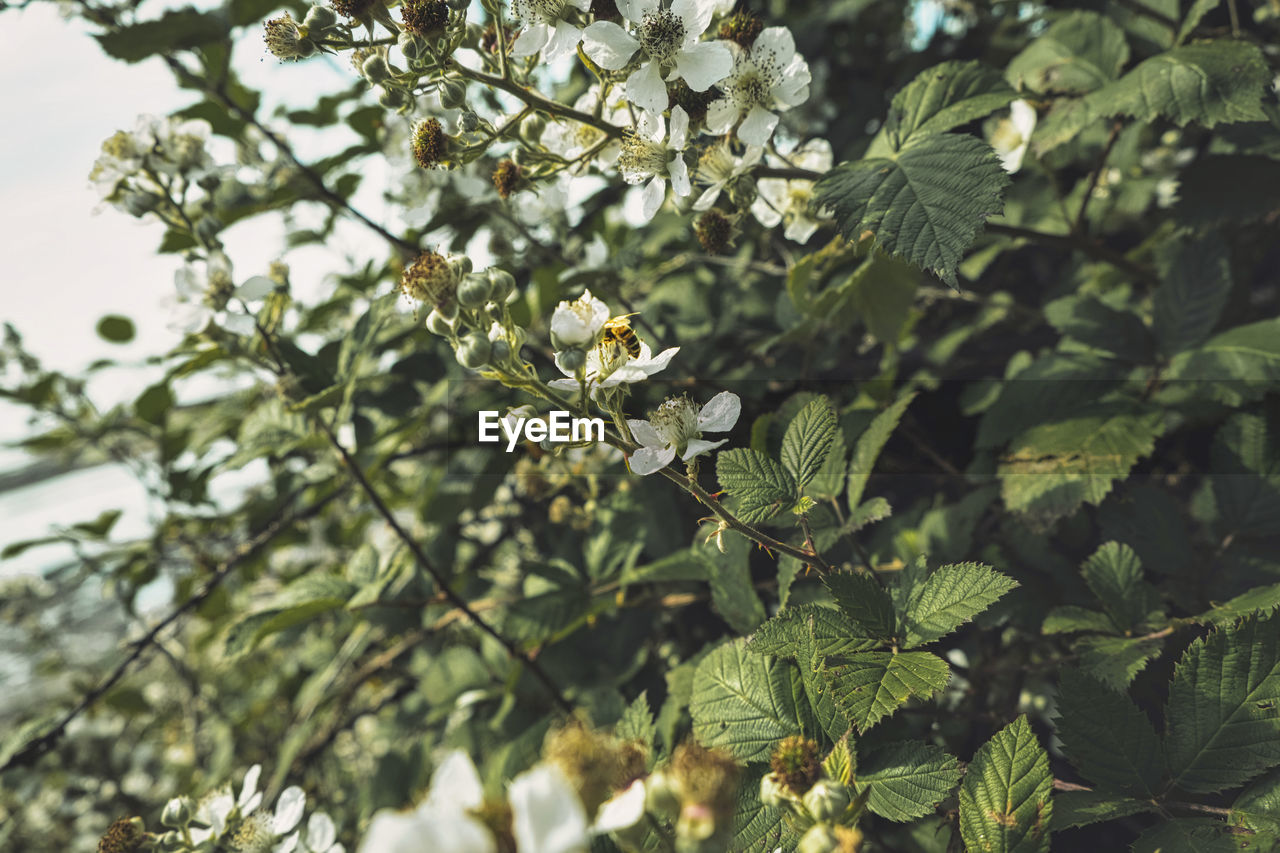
[(939, 496)]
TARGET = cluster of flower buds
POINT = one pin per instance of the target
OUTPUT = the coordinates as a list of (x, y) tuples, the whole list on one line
[(468, 308), (816, 794)]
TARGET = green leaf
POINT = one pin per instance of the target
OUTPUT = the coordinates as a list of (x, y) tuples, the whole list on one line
[(116, 329), (1208, 83), (762, 487), (1052, 468), (154, 403), (758, 828), (637, 722), (1227, 188), (683, 565), (179, 29), (1117, 660), (1223, 725), (744, 703), (1069, 619), (883, 290), (868, 512), (908, 780), (830, 631), (1259, 600), (808, 441), (732, 594), (948, 598), (1197, 281), (864, 601), (1199, 8), (298, 603), (841, 764), (1234, 366), (869, 445), (943, 97), (925, 202), (1004, 798), (1187, 835), (1245, 461), (1081, 808), (1258, 805), (1093, 322), (1107, 737), (100, 527), (1080, 52), (1114, 574), (828, 483), (871, 685)]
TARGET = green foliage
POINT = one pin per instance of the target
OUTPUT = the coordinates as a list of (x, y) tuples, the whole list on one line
[(808, 441), (1107, 737), (907, 780), (950, 596), (745, 703), (871, 685), (1005, 800)]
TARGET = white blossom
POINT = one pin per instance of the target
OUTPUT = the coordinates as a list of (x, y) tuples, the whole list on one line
[(441, 823), (668, 38), (791, 201), (1012, 135), (572, 139), (650, 154), (602, 372), (203, 297), (676, 427), (718, 167), (770, 76), (547, 816), (547, 28), (578, 322)]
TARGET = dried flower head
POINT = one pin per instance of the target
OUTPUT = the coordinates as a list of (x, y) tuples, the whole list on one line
[(706, 777), (742, 27), (592, 761), (353, 9), (506, 177), (123, 836), (430, 279), (714, 231), (694, 103), (286, 39), (430, 144), (425, 18), (795, 761)]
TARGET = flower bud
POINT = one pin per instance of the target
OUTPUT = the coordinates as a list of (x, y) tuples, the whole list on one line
[(662, 794), (375, 69), (774, 793), (453, 94), (138, 203), (391, 98), (501, 352), (177, 812), (320, 18), (461, 265), (474, 351), (504, 284), (468, 122), (742, 192), (438, 325), (474, 291), (571, 359), (820, 838), (826, 800), (412, 46)]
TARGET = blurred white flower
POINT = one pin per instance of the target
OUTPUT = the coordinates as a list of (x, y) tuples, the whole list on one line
[(1012, 135), (718, 167), (649, 153), (572, 139), (667, 38), (792, 200), (442, 823), (203, 297), (547, 815), (546, 28), (770, 76), (676, 427), (578, 322)]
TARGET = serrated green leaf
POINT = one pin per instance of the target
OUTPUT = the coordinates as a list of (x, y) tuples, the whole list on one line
[(868, 447), (841, 764), (745, 703), (1258, 805), (907, 780), (1224, 708), (1234, 366), (1245, 460), (1227, 188), (864, 601), (732, 593), (1081, 808), (1080, 52), (868, 512), (808, 440), (1069, 619), (1051, 469), (1114, 574), (882, 291), (828, 483), (758, 828), (944, 97), (830, 631), (1004, 799), (683, 565), (762, 487), (637, 722), (179, 29), (925, 202), (1092, 322), (1197, 281), (1108, 738), (1259, 600), (871, 685), (1187, 835), (948, 598), (1117, 660)]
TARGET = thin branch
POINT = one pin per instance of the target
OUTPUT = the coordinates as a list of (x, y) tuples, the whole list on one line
[(1079, 243), (539, 102), (1079, 226)]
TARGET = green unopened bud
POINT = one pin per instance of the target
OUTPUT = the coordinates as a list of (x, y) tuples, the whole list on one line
[(177, 812), (775, 794), (520, 156), (504, 284), (172, 841), (375, 69), (474, 351), (453, 94), (571, 359), (826, 800), (532, 127), (391, 98), (742, 192), (208, 229), (138, 203), (661, 792), (320, 18), (461, 265), (820, 838), (438, 325), (412, 46), (501, 352), (468, 122), (474, 291)]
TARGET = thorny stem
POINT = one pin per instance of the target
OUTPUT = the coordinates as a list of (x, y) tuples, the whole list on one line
[(538, 102)]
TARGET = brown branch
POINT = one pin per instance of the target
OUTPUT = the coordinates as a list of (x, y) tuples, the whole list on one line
[(1079, 226)]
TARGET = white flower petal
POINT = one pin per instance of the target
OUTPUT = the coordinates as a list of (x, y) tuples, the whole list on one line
[(581, 5), (1024, 117), (646, 90), (644, 433), (546, 814), (696, 15), (635, 10), (704, 64), (532, 40), (289, 809), (623, 810), (697, 447), (721, 114), (563, 384), (647, 460), (758, 126), (455, 785), (321, 833), (651, 197), (679, 128), (708, 197), (287, 844), (764, 213), (258, 287), (801, 229), (720, 413), (679, 173), (563, 42), (775, 44), (241, 324), (608, 45)]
